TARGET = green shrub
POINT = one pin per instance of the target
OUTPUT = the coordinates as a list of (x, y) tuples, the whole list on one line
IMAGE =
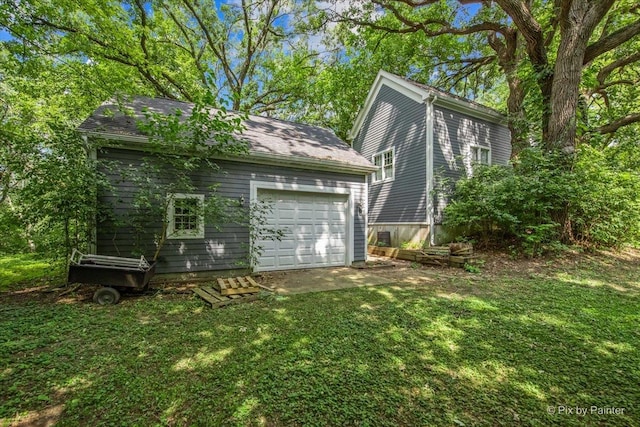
[(470, 268), (541, 203), (606, 209), (14, 238), (413, 245)]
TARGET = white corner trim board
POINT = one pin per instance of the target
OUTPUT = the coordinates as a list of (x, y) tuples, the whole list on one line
[(429, 115)]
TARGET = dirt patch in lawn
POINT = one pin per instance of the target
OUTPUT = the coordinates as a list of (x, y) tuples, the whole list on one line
[(45, 418), (74, 294), (499, 264), (322, 279), (621, 265)]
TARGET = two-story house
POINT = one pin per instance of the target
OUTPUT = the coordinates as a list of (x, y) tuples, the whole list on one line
[(422, 140)]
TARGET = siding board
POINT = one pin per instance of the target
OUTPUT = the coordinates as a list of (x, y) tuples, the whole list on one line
[(396, 121), (454, 134)]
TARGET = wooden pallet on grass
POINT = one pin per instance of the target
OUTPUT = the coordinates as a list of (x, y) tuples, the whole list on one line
[(433, 259), (229, 291), (236, 286), (216, 300)]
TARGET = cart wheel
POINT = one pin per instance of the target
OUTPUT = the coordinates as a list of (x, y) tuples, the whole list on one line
[(106, 296)]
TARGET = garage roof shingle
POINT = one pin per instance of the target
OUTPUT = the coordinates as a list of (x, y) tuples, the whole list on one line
[(265, 136)]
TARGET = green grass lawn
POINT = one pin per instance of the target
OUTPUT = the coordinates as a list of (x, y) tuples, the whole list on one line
[(25, 268), (479, 350)]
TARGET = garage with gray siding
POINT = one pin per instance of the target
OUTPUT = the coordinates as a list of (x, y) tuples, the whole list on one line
[(314, 183)]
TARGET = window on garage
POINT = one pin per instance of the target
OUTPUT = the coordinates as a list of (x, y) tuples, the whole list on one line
[(185, 216)]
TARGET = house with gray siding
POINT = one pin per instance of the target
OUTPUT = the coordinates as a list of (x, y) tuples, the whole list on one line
[(422, 140), (315, 185)]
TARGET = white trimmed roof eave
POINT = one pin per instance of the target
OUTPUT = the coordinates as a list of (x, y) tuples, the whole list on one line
[(422, 93)]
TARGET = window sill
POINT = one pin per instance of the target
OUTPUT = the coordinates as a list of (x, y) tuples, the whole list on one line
[(185, 236), (382, 181)]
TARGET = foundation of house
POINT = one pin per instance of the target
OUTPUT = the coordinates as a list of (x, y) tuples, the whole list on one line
[(412, 235)]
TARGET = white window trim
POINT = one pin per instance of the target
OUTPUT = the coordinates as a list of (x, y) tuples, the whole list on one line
[(481, 147), (172, 233), (393, 165)]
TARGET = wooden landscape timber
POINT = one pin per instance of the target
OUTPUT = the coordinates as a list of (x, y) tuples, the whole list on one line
[(455, 254)]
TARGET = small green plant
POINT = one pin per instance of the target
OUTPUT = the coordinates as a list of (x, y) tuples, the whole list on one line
[(260, 230), (415, 265), (474, 265), (471, 268), (412, 245)]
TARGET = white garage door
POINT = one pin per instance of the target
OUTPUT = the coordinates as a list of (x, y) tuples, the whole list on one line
[(314, 227)]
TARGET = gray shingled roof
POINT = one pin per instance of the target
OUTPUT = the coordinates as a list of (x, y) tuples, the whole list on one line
[(266, 136)]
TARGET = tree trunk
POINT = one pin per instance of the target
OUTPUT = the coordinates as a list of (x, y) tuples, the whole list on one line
[(67, 237), (545, 83), (507, 55), (517, 119), (578, 20), (565, 92)]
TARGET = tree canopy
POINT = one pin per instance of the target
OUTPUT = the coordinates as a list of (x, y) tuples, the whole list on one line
[(565, 62), (565, 72), (253, 53)]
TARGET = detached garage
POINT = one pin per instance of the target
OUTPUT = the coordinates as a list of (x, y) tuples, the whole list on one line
[(315, 184)]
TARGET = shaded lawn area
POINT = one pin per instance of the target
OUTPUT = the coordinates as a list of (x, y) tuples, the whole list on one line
[(467, 351), (25, 268)]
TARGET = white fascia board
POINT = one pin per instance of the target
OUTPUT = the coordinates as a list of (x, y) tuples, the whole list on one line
[(396, 223), (419, 94), (115, 137), (470, 109), (253, 157), (394, 82), (304, 163)]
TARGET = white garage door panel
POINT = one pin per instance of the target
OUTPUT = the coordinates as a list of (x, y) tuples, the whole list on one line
[(268, 263), (314, 227)]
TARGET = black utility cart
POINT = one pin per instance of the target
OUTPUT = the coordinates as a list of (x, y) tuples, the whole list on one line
[(111, 272)]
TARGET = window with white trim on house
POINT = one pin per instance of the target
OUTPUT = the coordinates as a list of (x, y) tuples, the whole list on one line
[(386, 166), (480, 155), (185, 216)]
